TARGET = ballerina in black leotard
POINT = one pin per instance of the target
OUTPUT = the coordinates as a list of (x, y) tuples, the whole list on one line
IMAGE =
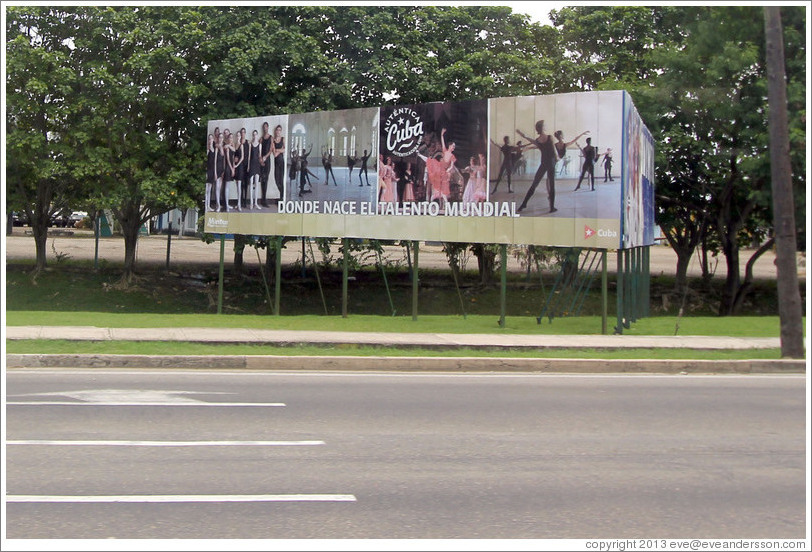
[(544, 143), (254, 170), (278, 153)]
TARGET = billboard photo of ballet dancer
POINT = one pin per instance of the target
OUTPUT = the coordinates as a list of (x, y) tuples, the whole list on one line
[(433, 153), (553, 156)]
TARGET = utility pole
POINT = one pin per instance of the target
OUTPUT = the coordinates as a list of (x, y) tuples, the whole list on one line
[(789, 297)]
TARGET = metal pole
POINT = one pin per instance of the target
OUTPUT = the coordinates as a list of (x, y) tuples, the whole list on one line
[(503, 294), (277, 275), (619, 292), (633, 290), (97, 231), (304, 257), (168, 244), (220, 285), (638, 300), (647, 280), (415, 265), (344, 278), (409, 259), (627, 289), (604, 294)]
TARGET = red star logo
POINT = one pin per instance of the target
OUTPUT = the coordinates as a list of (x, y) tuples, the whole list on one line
[(588, 232)]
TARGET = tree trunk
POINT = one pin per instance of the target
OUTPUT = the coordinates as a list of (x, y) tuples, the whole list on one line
[(683, 243), (704, 263), (39, 227), (130, 244), (239, 249), (790, 307), (270, 257), (130, 220), (486, 262), (747, 283), (683, 261), (730, 247)]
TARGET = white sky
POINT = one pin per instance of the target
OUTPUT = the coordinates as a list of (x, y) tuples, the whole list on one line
[(538, 11)]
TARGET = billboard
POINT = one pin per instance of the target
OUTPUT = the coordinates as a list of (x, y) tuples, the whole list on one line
[(570, 169), (638, 227)]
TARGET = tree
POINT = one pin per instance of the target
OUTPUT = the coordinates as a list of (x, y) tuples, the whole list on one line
[(713, 89), (138, 96), (39, 94), (610, 47), (697, 77), (425, 54)]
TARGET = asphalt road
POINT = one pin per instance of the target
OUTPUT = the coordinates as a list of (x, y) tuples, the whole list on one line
[(207, 455)]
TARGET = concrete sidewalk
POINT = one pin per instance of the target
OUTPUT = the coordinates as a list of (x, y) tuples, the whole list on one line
[(383, 339), (505, 363)]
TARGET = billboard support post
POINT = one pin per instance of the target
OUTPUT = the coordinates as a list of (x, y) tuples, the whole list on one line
[(635, 276), (277, 275), (304, 259), (640, 282), (503, 293), (168, 243), (344, 277), (604, 293), (220, 276), (97, 231), (415, 265), (647, 281), (627, 289), (619, 292)]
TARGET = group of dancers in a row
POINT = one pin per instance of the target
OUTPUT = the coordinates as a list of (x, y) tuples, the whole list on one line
[(551, 152), (231, 157)]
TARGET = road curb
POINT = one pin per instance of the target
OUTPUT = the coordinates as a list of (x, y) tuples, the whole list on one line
[(409, 364)]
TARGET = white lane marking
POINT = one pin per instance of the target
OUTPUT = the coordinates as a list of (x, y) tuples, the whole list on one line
[(187, 498), (150, 396), (131, 397), (56, 443), (195, 403)]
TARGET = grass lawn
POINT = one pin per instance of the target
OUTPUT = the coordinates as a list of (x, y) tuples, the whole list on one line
[(734, 326), (75, 295)]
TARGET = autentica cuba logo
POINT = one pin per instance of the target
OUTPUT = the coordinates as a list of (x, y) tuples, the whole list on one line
[(404, 130)]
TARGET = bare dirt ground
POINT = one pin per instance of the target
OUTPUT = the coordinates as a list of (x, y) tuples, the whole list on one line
[(189, 250)]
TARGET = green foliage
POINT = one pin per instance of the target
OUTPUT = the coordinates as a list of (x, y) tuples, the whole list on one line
[(697, 76), (40, 112)]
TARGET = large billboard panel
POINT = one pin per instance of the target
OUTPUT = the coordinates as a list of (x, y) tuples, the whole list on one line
[(638, 226), (547, 170), (547, 154)]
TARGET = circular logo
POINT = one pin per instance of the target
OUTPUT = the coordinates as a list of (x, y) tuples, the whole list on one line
[(404, 131)]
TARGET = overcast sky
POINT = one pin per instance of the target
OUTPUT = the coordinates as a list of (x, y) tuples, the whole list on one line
[(537, 11)]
